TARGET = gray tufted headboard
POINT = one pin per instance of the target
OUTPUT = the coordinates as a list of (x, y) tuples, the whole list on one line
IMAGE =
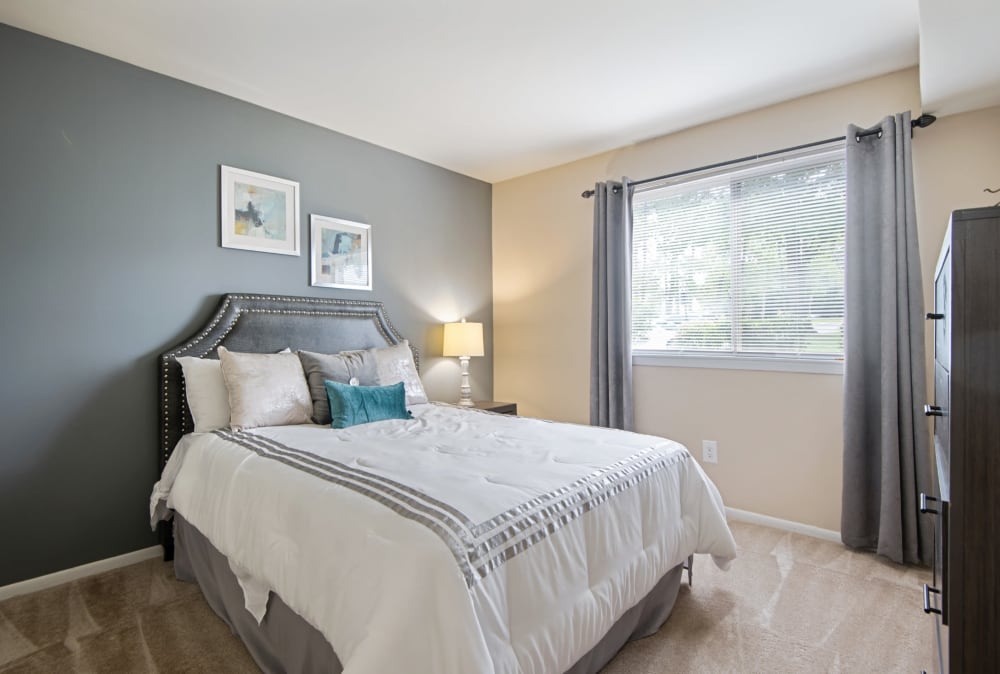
[(267, 324)]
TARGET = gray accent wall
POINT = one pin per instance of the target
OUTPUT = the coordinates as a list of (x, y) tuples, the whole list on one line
[(109, 206)]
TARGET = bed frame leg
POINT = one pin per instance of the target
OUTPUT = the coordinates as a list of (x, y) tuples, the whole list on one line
[(166, 535), (689, 566)]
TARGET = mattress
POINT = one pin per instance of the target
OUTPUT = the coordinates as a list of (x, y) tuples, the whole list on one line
[(456, 541)]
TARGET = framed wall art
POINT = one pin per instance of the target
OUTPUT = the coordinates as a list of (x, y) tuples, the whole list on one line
[(341, 253), (259, 212)]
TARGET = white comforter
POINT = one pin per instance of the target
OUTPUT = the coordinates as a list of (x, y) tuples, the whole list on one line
[(412, 580)]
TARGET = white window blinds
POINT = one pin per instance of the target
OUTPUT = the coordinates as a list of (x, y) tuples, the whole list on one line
[(743, 262)]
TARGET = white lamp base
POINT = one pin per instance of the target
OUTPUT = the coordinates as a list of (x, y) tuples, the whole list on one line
[(466, 398)]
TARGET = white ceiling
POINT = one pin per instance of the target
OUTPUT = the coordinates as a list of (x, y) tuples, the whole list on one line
[(959, 55), (496, 90)]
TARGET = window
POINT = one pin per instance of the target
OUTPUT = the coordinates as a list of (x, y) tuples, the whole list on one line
[(744, 267)]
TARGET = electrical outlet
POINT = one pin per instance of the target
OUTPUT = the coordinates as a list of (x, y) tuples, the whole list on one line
[(709, 451)]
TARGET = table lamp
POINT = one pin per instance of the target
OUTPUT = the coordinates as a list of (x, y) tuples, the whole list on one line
[(463, 340)]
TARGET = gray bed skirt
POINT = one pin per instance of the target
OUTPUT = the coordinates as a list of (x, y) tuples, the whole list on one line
[(285, 642)]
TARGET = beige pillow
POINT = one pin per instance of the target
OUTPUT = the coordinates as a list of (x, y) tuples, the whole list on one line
[(395, 364), (265, 389)]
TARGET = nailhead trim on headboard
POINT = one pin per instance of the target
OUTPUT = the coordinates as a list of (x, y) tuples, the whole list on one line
[(174, 414)]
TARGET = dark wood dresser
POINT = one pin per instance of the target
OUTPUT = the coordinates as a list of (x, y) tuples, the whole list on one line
[(964, 596)]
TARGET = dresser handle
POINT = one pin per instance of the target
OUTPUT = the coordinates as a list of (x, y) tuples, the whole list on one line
[(924, 498), (927, 599), (933, 411), (934, 317)]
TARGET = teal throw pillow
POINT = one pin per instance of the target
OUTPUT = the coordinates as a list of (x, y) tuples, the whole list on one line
[(353, 405)]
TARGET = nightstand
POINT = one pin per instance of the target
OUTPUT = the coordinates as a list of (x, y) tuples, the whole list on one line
[(494, 406)]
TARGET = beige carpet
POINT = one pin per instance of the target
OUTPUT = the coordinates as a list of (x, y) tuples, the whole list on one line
[(788, 604)]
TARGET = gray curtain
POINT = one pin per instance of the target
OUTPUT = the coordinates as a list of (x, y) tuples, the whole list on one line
[(886, 458), (611, 314)]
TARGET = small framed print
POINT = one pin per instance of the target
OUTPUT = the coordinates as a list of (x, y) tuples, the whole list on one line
[(259, 212), (341, 253)]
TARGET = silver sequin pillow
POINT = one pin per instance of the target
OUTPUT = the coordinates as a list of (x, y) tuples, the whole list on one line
[(265, 389), (395, 364)]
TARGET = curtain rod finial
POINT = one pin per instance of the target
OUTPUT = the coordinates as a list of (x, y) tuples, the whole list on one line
[(586, 194), (923, 121)]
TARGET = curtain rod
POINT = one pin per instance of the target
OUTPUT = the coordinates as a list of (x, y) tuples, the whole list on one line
[(922, 121)]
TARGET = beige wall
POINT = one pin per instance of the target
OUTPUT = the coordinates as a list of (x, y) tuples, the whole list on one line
[(779, 433)]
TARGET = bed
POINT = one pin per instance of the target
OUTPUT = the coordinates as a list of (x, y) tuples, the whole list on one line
[(453, 541)]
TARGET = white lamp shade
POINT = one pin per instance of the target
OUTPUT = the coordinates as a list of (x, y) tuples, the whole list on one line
[(463, 339)]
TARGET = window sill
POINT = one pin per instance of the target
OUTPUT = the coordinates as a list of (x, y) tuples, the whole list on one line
[(660, 359)]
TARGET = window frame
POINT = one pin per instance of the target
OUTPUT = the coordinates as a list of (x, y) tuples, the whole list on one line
[(814, 364), (808, 365)]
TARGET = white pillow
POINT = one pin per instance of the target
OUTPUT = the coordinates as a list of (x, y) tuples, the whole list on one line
[(395, 364), (265, 389), (207, 396)]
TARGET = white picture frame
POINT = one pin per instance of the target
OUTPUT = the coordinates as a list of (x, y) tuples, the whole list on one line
[(258, 212), (340, 253)]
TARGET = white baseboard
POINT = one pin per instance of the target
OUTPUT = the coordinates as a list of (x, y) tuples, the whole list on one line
[(787, 525), (78, 572)]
